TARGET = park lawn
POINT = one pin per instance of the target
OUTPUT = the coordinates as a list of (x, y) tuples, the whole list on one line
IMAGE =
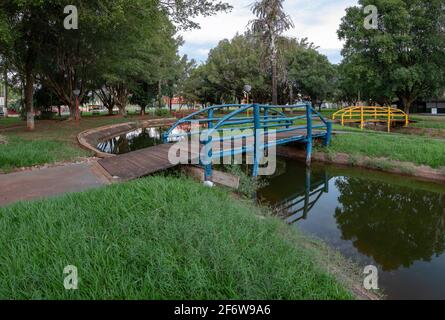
[(156, 238), (20, 152), (52, 141), (415, 149), (4, 122), (428, 122)]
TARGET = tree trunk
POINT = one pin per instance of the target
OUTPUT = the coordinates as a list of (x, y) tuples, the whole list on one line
[(6, 89), (29, 93), (72, 107), (291, 94), (122, 110), (274, 82), (160, 94), (407, 103)]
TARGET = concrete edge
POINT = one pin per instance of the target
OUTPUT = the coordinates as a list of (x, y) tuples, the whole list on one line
[(87, 142)]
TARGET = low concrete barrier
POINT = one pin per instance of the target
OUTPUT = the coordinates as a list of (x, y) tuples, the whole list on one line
[(89, 139)]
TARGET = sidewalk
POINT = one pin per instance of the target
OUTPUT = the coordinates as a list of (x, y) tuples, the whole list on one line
[(50, 182)]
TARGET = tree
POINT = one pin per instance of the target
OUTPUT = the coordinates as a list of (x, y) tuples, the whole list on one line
[(271, 22), (39, 49), (23, 31), (313, 73), (182, 12), (405, 55), (237, 62)]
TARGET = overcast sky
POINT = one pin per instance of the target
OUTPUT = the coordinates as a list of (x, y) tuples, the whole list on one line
[(318, 20)]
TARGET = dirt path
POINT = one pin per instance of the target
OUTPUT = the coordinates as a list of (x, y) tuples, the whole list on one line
[(51, 181)]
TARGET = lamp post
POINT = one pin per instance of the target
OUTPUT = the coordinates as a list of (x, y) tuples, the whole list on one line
[(77, 114), (247, 90)]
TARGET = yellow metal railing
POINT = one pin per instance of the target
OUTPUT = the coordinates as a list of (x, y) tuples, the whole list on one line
[(362, 115)]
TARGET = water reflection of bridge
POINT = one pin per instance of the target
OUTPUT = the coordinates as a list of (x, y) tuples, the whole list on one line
[(298, 206)]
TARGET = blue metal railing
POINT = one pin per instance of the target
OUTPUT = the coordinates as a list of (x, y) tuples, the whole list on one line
[(260, 118)]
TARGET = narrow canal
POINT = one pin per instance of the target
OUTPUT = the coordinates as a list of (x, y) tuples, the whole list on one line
[(395, 223)]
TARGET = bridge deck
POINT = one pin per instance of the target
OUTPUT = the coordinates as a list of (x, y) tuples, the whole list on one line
[(147, 161)]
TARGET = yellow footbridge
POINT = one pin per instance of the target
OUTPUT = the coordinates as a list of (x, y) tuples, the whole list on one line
[(363, 115)]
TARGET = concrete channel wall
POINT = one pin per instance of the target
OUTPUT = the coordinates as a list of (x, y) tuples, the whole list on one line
[(91, 138)]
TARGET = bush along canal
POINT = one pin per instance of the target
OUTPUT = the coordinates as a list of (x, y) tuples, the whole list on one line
[(394, 223)]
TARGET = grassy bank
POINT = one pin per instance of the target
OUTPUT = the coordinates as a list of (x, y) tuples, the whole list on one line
[(20, 152), (418, 150), (428, 122), (52, 141), (157, 238)]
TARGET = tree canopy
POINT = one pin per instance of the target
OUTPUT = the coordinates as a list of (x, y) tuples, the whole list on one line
[(118, 45), (404, 58), (237, 62)]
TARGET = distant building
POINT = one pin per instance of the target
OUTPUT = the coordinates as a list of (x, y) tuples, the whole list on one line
[(434, 106), (176, 103), (3, 111)]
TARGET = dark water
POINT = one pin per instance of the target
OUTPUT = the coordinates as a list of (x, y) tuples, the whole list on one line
[(139, 139), (132, 141), (394, 223)]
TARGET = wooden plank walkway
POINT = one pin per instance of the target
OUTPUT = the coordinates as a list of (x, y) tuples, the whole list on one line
[(147, 161), (139, 163)]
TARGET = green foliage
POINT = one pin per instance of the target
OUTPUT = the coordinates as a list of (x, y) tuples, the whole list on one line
[(162, 112), (248, 184), (162, 238), (313, 72), (403, 58), (237, 62), (119, 44)]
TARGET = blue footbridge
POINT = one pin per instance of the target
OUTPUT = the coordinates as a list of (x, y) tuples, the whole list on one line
[(223, 132), (251, 129)]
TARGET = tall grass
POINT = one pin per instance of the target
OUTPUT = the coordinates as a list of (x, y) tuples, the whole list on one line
[(419, 150), (157, 238)]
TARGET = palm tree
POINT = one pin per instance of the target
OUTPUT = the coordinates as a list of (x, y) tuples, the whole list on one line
[(271, 22)]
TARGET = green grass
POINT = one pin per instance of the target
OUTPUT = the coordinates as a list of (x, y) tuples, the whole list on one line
[(157, 238), (428, 122), (9, 121), (20, 152), (418, 150)]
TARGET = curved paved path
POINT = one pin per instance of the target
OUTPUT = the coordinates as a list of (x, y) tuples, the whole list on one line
[(50, 182)]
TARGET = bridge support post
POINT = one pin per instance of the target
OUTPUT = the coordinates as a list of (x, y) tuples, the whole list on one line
[(309, 134), (307, 194), (208, 169), (328, 138), (257, 147)]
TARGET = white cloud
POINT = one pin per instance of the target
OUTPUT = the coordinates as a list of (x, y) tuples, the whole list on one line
[(318, 20)]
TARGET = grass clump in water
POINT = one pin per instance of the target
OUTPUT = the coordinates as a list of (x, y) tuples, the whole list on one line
[(157, 238)]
